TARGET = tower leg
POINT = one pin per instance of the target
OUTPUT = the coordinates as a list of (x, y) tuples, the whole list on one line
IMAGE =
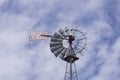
[(70, 73)]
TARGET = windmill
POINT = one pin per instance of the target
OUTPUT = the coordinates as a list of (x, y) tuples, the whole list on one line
[(65, 44)]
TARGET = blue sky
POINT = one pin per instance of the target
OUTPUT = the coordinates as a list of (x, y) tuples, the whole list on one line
[(21, 59)]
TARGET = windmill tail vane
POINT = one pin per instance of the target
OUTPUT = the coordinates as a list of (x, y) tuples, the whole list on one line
[(38, 35)]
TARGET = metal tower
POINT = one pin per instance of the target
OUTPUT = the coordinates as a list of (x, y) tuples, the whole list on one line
[(70, 73)]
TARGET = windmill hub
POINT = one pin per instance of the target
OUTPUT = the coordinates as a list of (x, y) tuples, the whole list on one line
[(71, 38)]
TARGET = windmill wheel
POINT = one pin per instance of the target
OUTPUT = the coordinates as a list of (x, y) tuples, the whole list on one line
[(67, 40)]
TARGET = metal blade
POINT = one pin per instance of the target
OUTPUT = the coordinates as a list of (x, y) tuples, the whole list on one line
[(67, 30), (55, 43), (54, 48), (62, 54), (62, 33), (57, 35), (56, 39), (73, 32), (58, 51), (79, 51)]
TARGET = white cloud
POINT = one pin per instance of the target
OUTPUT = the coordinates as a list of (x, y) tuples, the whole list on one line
[(110, 68), (12, 67), (27, 60), (2, 2)]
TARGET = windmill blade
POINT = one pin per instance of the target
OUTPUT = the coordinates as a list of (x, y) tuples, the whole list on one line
[(57, 35), (55, 43), (73, 32), (66, 29), (53, 39), (62, 33), (69, 31), (82, 38), (54, 48), (81, 50), (62, 54), (58, 51)]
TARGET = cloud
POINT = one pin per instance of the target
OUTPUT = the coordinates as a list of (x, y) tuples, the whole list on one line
[(12, 67), (2, 1), (21, 59), (110, 67)]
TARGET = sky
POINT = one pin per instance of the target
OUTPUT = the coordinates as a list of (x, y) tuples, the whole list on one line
[(21, 59)]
